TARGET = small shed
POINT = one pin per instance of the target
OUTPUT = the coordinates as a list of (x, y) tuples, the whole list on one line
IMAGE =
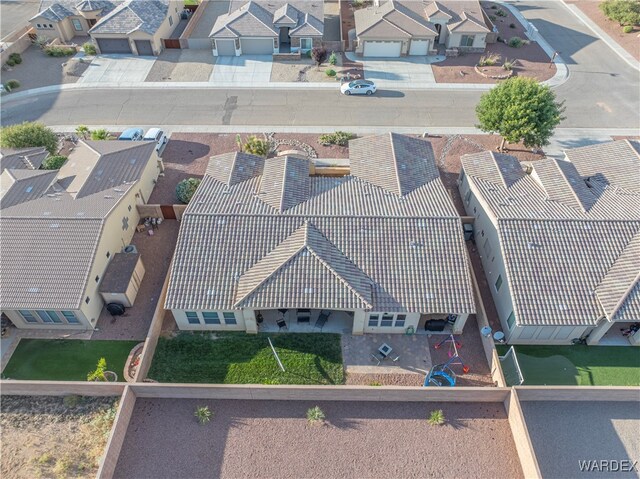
[(122, 279)]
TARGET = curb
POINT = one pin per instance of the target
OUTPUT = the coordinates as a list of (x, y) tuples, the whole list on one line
[(602, 35)]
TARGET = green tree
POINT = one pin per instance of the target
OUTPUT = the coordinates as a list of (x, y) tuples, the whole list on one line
[(29, 134), (256, 146), (98, 373), (83, 131), (186, 188), (520, 109), (54, 162), (100, 134), (625, 12)]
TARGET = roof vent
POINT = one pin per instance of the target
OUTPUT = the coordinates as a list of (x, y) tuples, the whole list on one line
[(414, 244), (28, 189), (563, 307), (34, 290), (133, 161), (211, 292), (532, 245), (46, 213), (54, 225), (308, 290), (221, 221), (108, 197)]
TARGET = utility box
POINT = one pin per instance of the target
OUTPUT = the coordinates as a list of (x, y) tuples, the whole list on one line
[(122, 279)]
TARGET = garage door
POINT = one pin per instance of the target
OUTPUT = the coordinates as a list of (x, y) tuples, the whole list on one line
[(419, 47), (382, 49), (257, 46), (144, 47), (226, 47), (114, 45)]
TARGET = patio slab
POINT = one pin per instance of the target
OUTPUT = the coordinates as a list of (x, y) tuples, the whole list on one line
[(118, 69), (245, 69)]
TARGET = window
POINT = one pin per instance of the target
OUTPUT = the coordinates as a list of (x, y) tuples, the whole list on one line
[(50, 26), (211, 318), (70, 317), (27, 316), (77, 26), (192, 317), (373, 320), (306, 43), (229, 318), (511, 320), (467, 196), (54, 316), (237, 44), (498, 282), (129, 207), (38, 25), (87, 299), (387, 320), (44, 317), (400, 319), (170, 20), (467, 40), (108, 254), (487, 247)]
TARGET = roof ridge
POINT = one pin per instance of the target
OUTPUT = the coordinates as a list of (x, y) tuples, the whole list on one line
[(395, 162)]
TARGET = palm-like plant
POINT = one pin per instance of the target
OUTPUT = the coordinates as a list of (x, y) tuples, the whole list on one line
[(203, 414), (436, 418), (315, 415)]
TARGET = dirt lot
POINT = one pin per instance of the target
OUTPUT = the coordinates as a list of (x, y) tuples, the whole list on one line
[(273, 439), (629, 41), (43, 437), (187, 155), (182, 66), (305, 70), (40, 70), (532, 60)]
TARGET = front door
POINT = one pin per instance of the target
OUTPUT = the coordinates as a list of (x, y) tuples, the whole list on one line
[(438, 29)]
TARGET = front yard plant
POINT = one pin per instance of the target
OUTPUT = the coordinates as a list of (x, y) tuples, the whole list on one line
[(315, 415), (627, 29), (520, 109), (186, 188), (340, 138), (54, 162), (489, 60), (436, 418), (253, 145), (100, 134), (12, 85), (319, 55), (15, 59), (625, 12), (516, 42), (333, 58), (83, 131), (330, 72), (28, 135), (60, 51), (89, 48), (203, 414)]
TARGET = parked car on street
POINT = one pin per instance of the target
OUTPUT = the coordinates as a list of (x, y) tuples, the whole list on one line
[(157, 135), (132, 134), (358, 87)]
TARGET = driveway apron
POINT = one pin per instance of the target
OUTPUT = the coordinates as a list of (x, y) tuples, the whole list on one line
[(255, 69), (117, 68), (398, 72)]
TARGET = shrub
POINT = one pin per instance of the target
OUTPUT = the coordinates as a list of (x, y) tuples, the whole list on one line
[(333, 58), (494, 7), (98, 373), (315, 415), (10, 62), (89, 48), (256, 146), (509, 64), (319, 55), (83, 131), (12, 85), (516, 42), (489, 60), (356, 4), (29, 134), (59, 51), (512, 25), (17, 59), (330, 73), (71, 401), (625, 12), (493, 18), (501, 13), (436, 418), (54, 162), (627, 29), (340, 138), (375, 383), (100, 134), (203, 414), (186, 188), (41, 41)]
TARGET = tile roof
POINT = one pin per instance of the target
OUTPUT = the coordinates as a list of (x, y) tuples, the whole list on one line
[(570, 248), (392, 18), (49, 238), (56, 10), (285, 182), (233, 168), (29, 158), (287, 13), (252, 19), (344, 244), (135, 15)]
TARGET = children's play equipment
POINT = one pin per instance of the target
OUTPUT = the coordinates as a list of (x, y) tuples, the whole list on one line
[(443, 374)]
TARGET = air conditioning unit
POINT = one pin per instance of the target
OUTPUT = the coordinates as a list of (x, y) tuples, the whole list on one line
[(130, 249)]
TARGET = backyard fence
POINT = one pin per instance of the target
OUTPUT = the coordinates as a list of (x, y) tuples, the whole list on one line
[(17, 42), (578, 393), (521, 437), (167, 212), (12, 387), (116, 437)]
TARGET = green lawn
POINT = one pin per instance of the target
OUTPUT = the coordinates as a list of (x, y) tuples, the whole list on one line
[(65, 359), (578, 365), (240, 358)]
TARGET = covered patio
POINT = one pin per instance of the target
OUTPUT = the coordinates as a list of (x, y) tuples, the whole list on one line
[(305, 321)]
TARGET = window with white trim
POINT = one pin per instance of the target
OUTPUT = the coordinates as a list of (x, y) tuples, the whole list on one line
[(400, 320), (210, 317), (70, 316), (229, 318), (373, 320), (467, 40), (498, 282), (306, 43), (77, 26), (192, 317), (511, 320), (27, 316), (387, 320), (170, 20)]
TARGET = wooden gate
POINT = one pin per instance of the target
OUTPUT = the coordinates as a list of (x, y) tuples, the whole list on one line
[(171, 43), (168, 213)]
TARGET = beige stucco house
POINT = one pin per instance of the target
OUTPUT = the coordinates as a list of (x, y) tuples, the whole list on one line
[(394, 28), (560, 242), (261, 27), (60, 228), (264, 245), (132, 26)]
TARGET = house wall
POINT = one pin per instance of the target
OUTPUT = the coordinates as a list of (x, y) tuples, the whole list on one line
[(56, 30), (442, 21), (20, 323), (183, 324), (315, 41), (479, 42)]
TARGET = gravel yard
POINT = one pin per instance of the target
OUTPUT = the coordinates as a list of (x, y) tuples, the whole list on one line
[(359, 439), (305, 70), (629, 41), (182, 66), (532, 60), (44, 437)]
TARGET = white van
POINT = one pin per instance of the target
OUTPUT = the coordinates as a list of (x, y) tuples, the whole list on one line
[(157, 135)]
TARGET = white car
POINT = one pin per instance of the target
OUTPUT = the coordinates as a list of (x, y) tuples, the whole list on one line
[(358, 87), (157, 135)]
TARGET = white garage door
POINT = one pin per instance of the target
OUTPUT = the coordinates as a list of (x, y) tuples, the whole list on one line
[(419, 47), (226, 47), (257, 46), (382, 49)]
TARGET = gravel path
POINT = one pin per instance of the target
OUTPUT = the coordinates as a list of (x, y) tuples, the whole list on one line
[(272, 439)]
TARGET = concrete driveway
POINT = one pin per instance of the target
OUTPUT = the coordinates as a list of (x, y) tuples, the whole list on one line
[(254, 69), (406, 71), (117, 68)]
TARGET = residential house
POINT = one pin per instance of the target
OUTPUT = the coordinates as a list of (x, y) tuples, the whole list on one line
[(59, 229), (129, 27), (268, 27), (383, 247), (397, 28), (559, 241), (22, 159)]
